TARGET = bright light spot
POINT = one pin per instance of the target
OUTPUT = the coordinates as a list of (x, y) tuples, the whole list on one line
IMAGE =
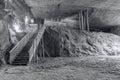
[(32, 21), (13, 36), (26, 20), (17, 27)]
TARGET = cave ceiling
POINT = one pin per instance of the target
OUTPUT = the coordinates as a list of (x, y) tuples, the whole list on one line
[(62, 8)]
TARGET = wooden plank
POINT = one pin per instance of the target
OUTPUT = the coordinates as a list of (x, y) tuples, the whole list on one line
[(17, 49), (36, 42)]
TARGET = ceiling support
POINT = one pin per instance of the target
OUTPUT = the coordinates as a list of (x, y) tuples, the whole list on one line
[(86, 19), (83, 20), (88, 27), (81, 23)]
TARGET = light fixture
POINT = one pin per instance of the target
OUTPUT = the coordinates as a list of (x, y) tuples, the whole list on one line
[(17, 27)]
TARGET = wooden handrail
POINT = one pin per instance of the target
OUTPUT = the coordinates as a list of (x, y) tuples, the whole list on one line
[(36, 42), (20, 45)]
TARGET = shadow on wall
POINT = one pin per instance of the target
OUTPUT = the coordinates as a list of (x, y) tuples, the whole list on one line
[(115, 30), (98, 26), (51, 44), (104, 20)]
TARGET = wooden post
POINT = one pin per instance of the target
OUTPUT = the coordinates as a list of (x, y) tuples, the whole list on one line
[(43, 47), (32, 51), (87, 19), (79, 20), (82, 20)]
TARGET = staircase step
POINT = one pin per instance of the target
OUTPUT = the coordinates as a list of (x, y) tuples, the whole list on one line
[(23, 57), (23, 42)]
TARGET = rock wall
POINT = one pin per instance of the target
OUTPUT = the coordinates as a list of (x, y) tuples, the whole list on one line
[(68, 41), (104, 19), (55, 8), (4, 41), (14, 12)]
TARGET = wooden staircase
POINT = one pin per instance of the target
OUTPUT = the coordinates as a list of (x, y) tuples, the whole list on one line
[(25, 50)]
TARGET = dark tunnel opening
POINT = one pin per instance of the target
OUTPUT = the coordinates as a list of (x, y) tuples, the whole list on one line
[(50, 43)]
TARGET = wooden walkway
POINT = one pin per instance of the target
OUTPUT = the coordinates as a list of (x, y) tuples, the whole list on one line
[(24, 41), (36, 42)]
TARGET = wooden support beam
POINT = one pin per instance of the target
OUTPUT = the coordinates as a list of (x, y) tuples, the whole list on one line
[(43, 51), (83, 15), (79, 20), (87, 20), (82, 20)]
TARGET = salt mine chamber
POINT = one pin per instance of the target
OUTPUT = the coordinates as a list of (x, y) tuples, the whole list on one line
[(58, 29)]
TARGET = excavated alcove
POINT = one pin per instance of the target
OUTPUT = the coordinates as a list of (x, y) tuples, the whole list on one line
[(51, 43)]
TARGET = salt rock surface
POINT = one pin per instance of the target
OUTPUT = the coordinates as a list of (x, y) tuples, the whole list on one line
[(83, 43), (98, 43), (4, 38)]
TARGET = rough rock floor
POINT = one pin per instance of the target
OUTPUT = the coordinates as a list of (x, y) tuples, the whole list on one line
[(82, 68)]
